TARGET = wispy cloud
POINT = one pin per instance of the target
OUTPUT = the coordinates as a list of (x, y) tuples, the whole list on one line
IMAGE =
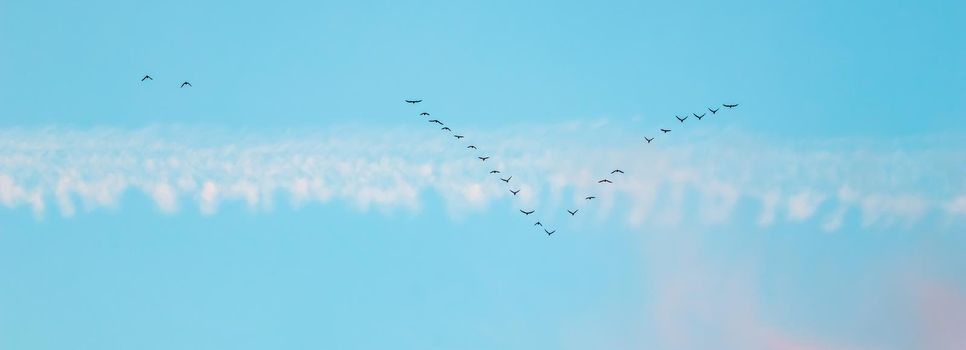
[(76, 170)]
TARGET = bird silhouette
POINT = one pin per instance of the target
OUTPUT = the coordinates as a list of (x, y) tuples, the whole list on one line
[(617, 171), (147, 77), (572, 213), (537, 224), (436, 121), (483, 158), (514, 192), (414, 101), (549, 232), (590, 197), (713, 111), (681, 120), (471, 146), (648, 139), (604, 181), (666, 130), (183, 84), (730, 106), (459, 136), (699, 116), (494, 171), (423, 113), (446, 128), (507, 180), (527, 212)]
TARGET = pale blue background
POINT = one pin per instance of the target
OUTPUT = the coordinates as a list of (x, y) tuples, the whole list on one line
[(328, 276)]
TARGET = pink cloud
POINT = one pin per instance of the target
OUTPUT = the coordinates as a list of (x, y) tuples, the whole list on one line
[(941, 311)]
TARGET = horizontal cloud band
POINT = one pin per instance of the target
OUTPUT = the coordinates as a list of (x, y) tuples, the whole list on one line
[(889, 183)]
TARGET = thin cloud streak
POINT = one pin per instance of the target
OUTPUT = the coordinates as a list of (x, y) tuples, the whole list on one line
[(76, 170)]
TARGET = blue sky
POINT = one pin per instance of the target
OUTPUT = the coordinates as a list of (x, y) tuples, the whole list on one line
[(291, 199)]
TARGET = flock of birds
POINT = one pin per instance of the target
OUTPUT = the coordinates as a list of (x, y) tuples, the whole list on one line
[(573, 212), (148, 77), (484, 158)]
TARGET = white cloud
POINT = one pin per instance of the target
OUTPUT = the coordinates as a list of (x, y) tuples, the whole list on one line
[(801, 206), (889, 209), (846, 198), (957, 206), (12, 195), (165, 197), (392, 168), (209, 197), (769, 203)]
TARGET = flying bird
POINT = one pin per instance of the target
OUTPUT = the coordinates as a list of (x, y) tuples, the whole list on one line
[(666, 130), (572, 213), (548, 232), (507, 180), (414, 101), (537, 224), (713, 111), (147, 77), (494, 171), (648, 139), (436, 121), (483, 158), (471, 146), (183, 84), (699, 116), (731, 106), (617, 171), (446, 128), (423, 113), (681, 120), (604, 181), (527, 212), (589, 198), (459, 136), (514, 192)]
